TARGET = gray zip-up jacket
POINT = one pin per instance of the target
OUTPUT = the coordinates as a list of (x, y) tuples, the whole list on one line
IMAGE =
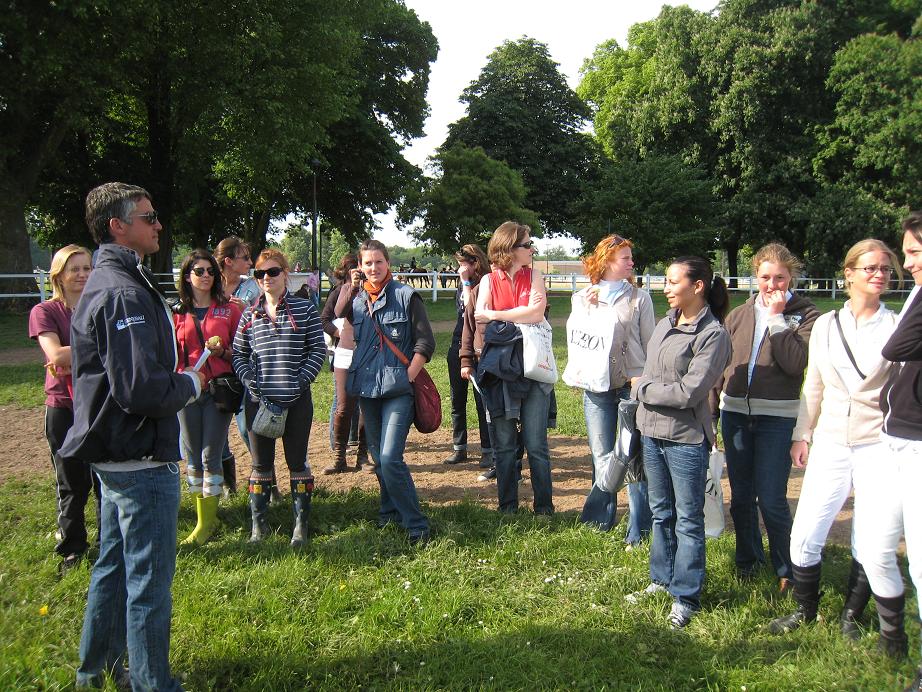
[(683, 364)]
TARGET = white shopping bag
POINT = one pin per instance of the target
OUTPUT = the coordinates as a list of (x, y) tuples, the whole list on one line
[(588, 349), (714, 521), (538, 352)]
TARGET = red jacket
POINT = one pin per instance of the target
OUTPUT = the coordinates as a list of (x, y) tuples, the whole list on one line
[(220, 320)]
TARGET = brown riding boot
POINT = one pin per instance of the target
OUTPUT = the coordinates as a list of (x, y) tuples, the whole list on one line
[(341, 425)]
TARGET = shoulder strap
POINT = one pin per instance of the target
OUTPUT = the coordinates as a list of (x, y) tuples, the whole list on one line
[(397, 352), (848, 351)]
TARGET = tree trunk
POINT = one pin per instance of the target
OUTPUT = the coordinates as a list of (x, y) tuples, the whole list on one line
[(160, 137), (14, 253)]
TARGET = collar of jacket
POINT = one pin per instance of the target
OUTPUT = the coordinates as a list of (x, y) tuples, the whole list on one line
[(130, 261), (689, 327), (501, 332)]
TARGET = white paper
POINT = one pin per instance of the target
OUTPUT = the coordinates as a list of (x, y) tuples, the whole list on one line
[(201, 360)]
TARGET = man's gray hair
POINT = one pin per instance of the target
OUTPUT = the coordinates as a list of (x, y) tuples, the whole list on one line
[(111, 201)]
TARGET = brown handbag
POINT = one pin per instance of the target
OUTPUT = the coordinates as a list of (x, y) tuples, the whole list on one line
[(427, 402)]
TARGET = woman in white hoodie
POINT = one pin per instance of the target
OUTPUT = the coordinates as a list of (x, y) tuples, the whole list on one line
[(840, 417)]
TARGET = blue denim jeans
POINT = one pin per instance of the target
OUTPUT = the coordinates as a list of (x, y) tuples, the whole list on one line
[(601, 411), (758, 466), (534, 434), (675, 482), (387, 424), (129, 604), (203, 437)]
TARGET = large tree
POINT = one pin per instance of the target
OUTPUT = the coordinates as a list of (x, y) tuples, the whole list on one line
[(470, 195), (521, 111)]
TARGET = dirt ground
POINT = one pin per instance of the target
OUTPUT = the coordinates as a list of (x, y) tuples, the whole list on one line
[(25, 454)]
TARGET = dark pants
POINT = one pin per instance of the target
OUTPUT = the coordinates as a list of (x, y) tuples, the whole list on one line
[(294, 439), (459, 388), (74, 480)]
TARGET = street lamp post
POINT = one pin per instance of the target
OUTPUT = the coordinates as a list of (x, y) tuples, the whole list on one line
[(314, 226)]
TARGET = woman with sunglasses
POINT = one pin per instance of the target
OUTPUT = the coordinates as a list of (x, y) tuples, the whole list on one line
[(514, 293), (472, 266), (278, 352), (204, 318), (624, 314), (386, 318), (49, 324), (758, 409), (839, 427)]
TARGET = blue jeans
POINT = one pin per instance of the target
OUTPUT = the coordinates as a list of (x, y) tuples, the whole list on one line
[(129, 604), (675, 481), (601, 411), (387, 424), (758, 466), (533, 418)]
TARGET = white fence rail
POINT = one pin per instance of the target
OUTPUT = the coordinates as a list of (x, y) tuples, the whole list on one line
[(437, 284)]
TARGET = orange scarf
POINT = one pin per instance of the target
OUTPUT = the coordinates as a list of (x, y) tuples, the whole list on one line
[(373, 290)]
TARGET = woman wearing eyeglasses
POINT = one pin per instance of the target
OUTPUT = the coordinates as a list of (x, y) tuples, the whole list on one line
[(838, 426), (514, 292), (49, 324), (759, 404), (278, 352), (204, 318), (472, 266), (623, 315)]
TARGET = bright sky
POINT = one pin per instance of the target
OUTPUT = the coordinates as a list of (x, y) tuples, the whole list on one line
[(469, 31)]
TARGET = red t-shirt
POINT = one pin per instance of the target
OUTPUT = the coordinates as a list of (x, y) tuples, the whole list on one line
[(505, 294), (220, 320), (54, 317)]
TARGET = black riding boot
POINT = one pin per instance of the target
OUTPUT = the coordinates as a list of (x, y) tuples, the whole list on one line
[(856, 600), (229, 466), (892, 612), (260, 490), (807, 596), (301, 490)]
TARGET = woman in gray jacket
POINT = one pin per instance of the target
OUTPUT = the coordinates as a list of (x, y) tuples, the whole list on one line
[(685, 356)]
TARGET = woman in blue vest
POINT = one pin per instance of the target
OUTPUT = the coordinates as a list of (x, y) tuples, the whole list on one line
[(386, 309)]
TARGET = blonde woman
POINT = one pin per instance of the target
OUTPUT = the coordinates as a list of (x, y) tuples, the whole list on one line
[(838, 426), (770, 333), (49, 324), (618, 305)]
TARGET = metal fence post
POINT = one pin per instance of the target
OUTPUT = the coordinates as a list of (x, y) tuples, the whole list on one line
[(41, 285), (435, 291)]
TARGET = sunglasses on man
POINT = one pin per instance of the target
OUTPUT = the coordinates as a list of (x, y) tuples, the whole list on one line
[(149, 216), (260, 274)]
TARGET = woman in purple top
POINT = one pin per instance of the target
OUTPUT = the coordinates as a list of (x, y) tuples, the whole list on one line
[(49, 324)]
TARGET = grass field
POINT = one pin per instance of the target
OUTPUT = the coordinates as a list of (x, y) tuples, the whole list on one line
[(492, 603)]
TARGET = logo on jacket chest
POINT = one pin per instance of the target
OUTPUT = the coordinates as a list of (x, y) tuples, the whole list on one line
[(223, 313), (793, 321), (128, 321)]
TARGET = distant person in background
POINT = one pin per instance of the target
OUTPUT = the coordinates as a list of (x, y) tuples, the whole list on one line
[(204, 318), (278, 352), (233, 257), (472, 266), (49, 324), (759, 405), (627, 311), (687, 352)]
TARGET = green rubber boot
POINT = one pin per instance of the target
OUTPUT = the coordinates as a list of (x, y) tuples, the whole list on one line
[(207, 510)]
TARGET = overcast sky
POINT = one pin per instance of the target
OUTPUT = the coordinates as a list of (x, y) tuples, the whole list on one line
[(469, 31)]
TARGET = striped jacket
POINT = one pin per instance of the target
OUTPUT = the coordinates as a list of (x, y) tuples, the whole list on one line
[(278, 360)]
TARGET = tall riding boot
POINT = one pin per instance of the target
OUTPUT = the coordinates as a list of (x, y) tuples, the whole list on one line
[(207, 510), (260, 490), (229, 466), (892, 612), (856, 599), (341, 424), (361, 455), (302, 487), (807, 596)]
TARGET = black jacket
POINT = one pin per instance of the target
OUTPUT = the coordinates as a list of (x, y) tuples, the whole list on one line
[(901, 397), (500, 368), (123, 349)]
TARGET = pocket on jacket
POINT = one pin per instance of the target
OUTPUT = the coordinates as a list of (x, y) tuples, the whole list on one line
[(394, 381), (395, 327)]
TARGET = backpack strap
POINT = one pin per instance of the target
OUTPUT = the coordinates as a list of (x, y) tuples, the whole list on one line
[(848, 351)]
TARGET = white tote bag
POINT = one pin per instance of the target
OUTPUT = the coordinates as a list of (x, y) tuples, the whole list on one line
[(538, 352), (714, 521), (589, 335)]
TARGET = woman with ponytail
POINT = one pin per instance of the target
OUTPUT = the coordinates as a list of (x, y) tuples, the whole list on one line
[(687, 351)]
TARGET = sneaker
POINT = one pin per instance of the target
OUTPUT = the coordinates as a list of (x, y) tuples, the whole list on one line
[(652, 589), (679, 616), (488, 475)]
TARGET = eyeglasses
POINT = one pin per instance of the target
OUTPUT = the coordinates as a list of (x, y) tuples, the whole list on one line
[(201, 271), (872, 269), (616, 240), (259, 274), (149, 216), (528, 246)]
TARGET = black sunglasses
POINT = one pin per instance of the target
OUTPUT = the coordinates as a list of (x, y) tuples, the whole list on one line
[(528, 246), (258, 274), (149, 216), (201, 271)]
